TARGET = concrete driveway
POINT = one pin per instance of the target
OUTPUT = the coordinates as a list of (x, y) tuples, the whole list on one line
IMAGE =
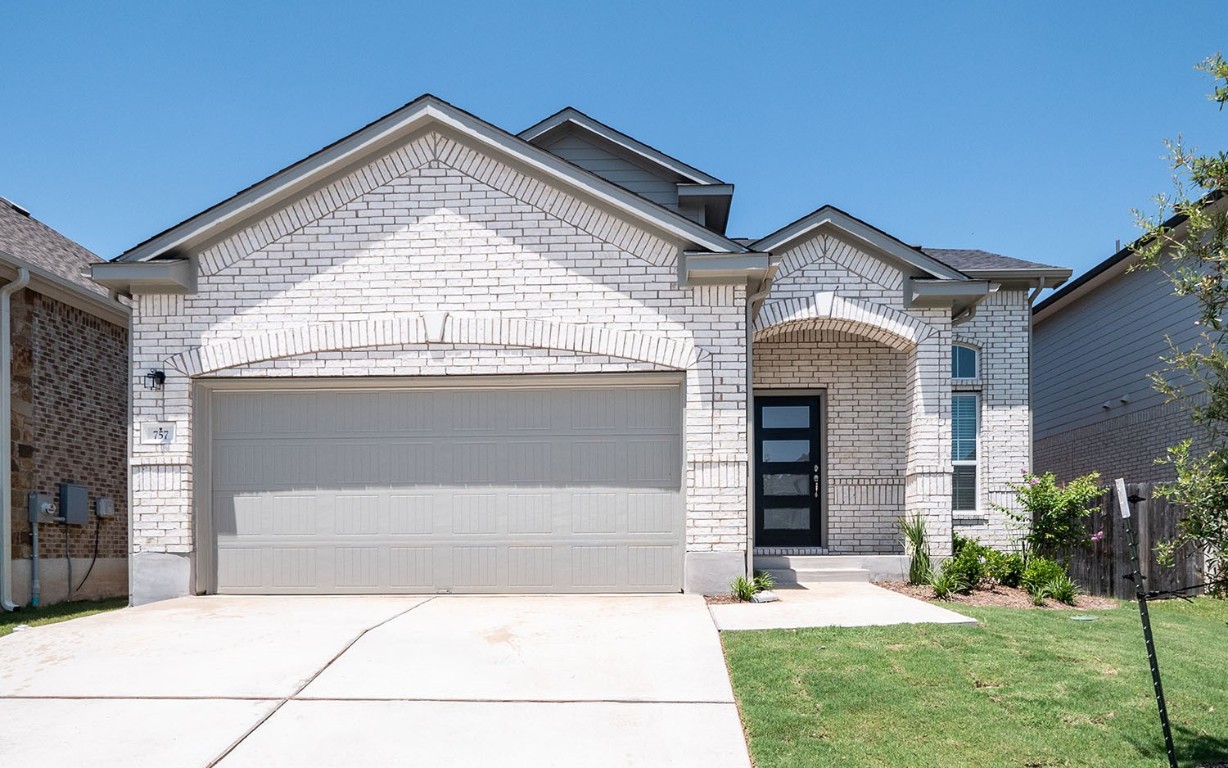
[(352, 681)]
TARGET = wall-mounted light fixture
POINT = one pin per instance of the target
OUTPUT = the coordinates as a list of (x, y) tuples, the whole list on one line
[(155, 379)]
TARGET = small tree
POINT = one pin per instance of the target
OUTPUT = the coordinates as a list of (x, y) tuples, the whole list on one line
[(1187, 239)]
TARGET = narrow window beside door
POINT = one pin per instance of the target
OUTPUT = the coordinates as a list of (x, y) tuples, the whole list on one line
[(964, 427)]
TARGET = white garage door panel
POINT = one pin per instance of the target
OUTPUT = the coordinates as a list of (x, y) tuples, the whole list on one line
[(523, 490)]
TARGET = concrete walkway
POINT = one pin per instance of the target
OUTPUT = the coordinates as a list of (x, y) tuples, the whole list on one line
[(355, 681), (832, 605)]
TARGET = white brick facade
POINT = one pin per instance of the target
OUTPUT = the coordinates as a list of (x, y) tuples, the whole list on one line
[(836, 321), (443, 257), (425, 270)]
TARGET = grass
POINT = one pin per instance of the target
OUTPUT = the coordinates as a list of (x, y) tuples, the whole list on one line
[(52, 614), (1026, 688)]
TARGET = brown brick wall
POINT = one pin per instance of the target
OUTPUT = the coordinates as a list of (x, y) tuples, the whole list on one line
[(69, 418), (1125, 446)]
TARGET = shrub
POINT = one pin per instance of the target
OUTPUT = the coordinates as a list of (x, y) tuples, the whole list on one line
[(743, 588), (1060, 588), (763, 581), (1053, 514), (1039, 572), (968, 563), (920, 569), (1006, 568), (947, 582)]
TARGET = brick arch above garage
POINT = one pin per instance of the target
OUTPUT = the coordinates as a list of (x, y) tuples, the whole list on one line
[(829, 311), (441, 328)]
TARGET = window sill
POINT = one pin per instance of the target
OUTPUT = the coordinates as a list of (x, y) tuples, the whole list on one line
[(965, 384), (968, 519)]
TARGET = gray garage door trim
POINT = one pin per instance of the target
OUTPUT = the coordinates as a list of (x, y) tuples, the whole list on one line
[(567, 483)]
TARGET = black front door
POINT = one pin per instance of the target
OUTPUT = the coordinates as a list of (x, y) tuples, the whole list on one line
[(788, 451)]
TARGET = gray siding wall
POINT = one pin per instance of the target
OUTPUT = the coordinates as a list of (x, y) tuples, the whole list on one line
[(1095, 350), (617, 169), (1103, 346)]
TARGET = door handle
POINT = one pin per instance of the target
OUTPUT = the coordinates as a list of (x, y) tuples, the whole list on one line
[(816, 481)]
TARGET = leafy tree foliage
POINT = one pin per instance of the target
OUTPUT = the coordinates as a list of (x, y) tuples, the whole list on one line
[(1187, 238)]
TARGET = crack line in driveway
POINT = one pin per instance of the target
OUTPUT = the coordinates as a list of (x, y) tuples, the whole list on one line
[(309, 681)]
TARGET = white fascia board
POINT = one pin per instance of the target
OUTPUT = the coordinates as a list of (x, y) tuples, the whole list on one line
[(829, 217), (724, 268), (268, 194), (618, 138), (941, 293), (137, 277), (1053, 277)]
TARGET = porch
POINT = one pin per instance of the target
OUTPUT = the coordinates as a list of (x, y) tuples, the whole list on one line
[(851, 433)]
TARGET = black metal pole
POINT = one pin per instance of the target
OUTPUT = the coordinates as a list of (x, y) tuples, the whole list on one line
[(1123, 503)]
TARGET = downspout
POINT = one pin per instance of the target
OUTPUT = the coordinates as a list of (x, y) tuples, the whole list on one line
[(765, 287), (6, 439), (1040, 286)]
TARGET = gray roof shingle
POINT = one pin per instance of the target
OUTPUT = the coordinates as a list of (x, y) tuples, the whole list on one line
[(972, 259), (32, 241)]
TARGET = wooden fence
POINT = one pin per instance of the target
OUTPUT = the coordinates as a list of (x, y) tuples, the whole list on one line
[(1101, 569)]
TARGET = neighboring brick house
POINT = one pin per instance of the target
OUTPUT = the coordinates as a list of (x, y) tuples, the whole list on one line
[(439, 357), (1097, 341), (68, 398)]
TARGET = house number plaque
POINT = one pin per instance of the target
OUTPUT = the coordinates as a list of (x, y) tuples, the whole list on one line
[(158, 433)]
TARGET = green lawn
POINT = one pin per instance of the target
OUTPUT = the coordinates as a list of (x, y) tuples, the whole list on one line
[(59, 612), (1025, 688)]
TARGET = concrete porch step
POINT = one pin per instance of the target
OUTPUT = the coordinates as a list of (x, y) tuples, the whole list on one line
[(819, 575), (795, 569)]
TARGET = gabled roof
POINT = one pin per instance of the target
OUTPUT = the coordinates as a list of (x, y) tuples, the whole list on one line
[(1113, 266), (570, 117), (367, 143), (55, 263), (830, 218)]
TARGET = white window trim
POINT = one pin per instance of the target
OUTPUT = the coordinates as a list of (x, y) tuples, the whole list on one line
[(976, 363), (975, 463)]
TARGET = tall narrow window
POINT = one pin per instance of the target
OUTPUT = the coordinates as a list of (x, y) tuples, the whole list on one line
[(963, 362), (965, 417)]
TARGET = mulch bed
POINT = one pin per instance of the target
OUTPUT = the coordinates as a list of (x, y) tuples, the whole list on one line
[(720, 599), (998, 595)]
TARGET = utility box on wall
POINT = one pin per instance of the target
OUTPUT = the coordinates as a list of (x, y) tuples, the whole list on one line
[(74, 503)]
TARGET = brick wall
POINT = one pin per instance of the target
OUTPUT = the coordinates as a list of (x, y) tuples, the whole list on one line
[(438, 260), (1000, 331), (835, 309), (1126, 445), (69, 414), (867, 427), (825, 284)]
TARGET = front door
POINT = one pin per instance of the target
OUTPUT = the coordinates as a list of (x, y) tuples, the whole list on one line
[(788, 478)]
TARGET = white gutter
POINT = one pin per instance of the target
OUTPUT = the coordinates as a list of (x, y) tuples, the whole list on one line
[(761, 293), (6, 438), (1040, 286)]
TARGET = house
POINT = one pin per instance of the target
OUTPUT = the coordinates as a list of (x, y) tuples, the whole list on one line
[(439, 357), (1096, 342), (64, 374)]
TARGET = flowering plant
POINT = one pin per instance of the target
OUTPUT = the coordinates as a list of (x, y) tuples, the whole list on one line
[(1053, 513)]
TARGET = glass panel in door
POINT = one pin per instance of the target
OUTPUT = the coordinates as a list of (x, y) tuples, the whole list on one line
[(788, 483)]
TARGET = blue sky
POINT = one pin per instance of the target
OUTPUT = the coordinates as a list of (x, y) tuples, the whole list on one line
[(1030, 129)]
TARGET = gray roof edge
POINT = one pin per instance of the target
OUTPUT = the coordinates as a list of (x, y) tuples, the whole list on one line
[(833, 216), (262, 196), (1113, 265), (68, 292), (615, 136)]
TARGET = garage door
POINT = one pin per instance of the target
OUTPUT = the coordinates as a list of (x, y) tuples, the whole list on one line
[(572, 488)]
